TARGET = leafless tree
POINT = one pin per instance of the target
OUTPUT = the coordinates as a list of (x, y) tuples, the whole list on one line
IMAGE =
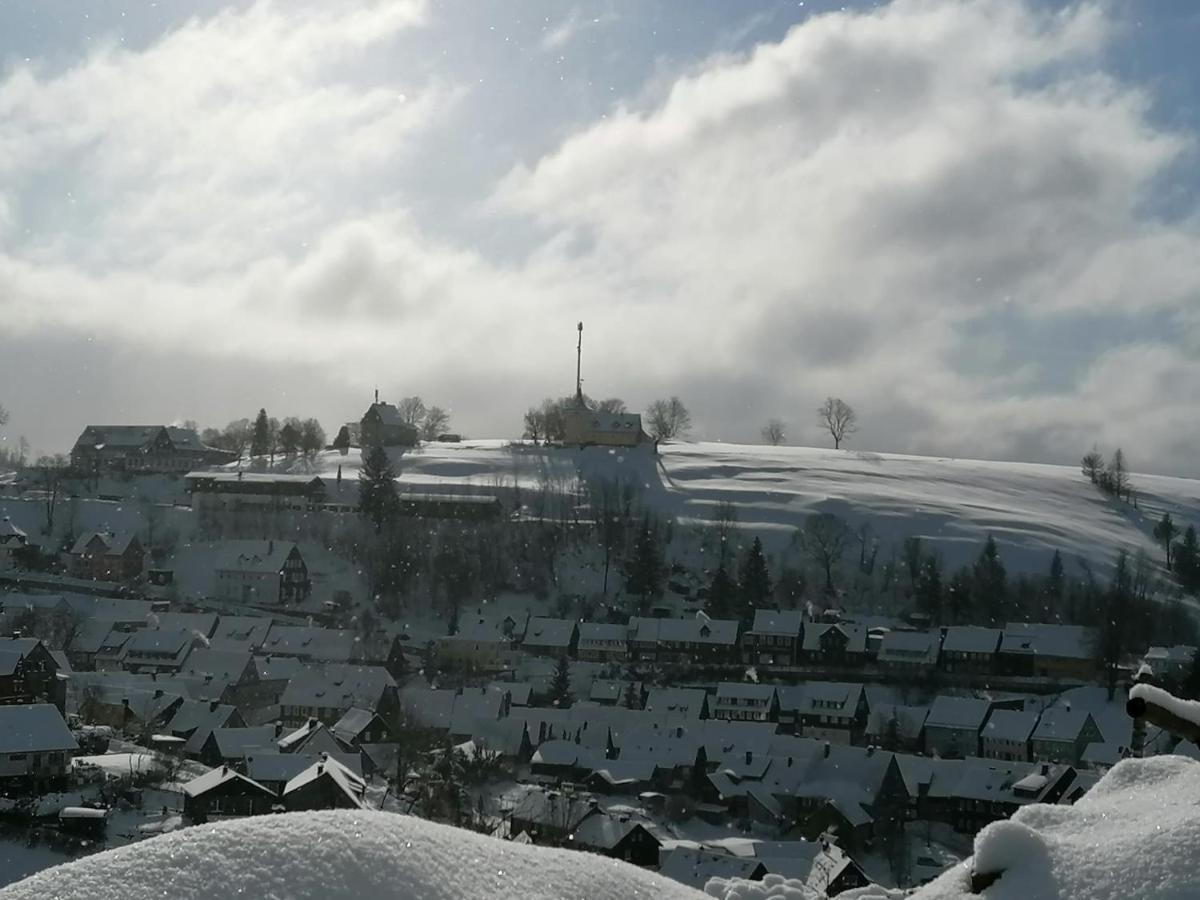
[(611, 405), (437, 420), (773, 432), (3, 415), (312, 437), (668, 419), (535, 424), (52, 473), (412, 411), (839, 418), (824, 538), (725, 520)]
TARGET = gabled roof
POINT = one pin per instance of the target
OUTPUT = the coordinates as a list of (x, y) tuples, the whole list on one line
[(856, 636), (227, 665), (1061, 724), (784, 623), (34, 728), (262, 557), (910, 646), (10, 532), (242, 628), (353, 722), (909, 720), (219, 776), (1058, 641), (266, 765), (827, 698), (310, 642), (957, 712), (337, 686), (971, 639), (107, 542), (685, 702), (695, 867), (329, 768), (519, 692), (737, 690), (601, 633), (201, 623), (543, 631), (1009, 725), (698, 630), (233, 743)]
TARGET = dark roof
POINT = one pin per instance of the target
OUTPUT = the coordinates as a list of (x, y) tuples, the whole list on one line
[(34, 728)]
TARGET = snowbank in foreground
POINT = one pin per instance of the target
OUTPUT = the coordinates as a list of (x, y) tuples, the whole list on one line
[(341, 856), (1135, 835)]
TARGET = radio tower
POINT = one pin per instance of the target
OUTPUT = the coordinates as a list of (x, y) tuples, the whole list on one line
[(578, 369)]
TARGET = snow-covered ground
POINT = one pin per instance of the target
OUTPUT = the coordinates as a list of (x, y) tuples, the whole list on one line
[(953, 504)]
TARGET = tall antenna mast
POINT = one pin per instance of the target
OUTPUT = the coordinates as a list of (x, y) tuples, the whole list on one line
[(579, 367)]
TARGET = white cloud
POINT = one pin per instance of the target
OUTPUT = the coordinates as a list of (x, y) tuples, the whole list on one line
[(827, 214)]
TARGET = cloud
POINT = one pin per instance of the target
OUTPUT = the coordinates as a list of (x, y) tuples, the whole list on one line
[(838, 212), (570, 27)]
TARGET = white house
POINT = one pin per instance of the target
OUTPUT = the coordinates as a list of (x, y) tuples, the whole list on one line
[(263, 573), (12, 542)]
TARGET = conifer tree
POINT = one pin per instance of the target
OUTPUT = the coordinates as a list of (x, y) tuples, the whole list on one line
[(929, 588), (260, 440), (1187, 561), (560, 684), (722, 594), (377, 498), (646, 569), (754, 581), (1166, 531), (991, 580)]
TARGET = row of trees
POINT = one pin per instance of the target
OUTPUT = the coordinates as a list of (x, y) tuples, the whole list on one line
[(835, 415), (429, 421), (268, 436), (1183, 556), (1112, 476), (665, 419)]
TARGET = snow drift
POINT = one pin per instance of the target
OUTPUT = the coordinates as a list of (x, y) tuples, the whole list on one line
[(341, 855)]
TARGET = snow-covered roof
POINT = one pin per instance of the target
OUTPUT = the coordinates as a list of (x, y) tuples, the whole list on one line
[(739, 690), (782, 623), (957, 712), (909, 720), (855, 635), (34, 728), (351, 785), (224, 664), (603, 832), (311, 642), (694, 867), (548, 632), (910, 647), (342, 855), (1059, 641), (106, 542), (1060, 724), (971, 639), (242, 628), (353, 722), (233, 743), (261, 557), (269, 766), (827, 698), (686, 702), (1009, 725), (600, 634), (220, 775), (10, 532), (338, 686), (697, 630)]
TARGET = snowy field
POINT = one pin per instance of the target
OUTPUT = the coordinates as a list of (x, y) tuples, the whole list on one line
[(953, 504)]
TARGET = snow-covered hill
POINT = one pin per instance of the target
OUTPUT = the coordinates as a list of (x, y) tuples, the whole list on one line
[(1032, 510)]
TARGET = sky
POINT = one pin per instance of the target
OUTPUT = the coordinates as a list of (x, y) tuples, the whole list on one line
[(977, 222)]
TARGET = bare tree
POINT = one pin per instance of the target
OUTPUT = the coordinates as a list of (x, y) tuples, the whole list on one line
[(668, 419), (3, 415), (773, 432), (535, 424), (610, 405), (437, 420), (824, 538), (839, 418), (52, 473), (412, 411)]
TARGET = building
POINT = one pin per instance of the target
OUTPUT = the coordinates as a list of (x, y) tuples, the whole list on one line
[(677, 703), (29, 674), (35, 748), (156, 651), (1048, 651), (774, 638), (691, 641), (383, 426), (837, 644), (953, 725), (585, 427), (915, 652), (224, 792), (617, 837), (327, 693), (969, 648), (14, 545), (1006, 735), (240, 491), (600, 642), (1062, 735), (312, 644), (143, 448), (550, 637), (831, 711), (1170, 665), (104, 556), (482, 642), (740, 702), (263, 573), (895, 727)]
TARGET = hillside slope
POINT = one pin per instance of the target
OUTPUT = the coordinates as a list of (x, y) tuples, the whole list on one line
[(953, 504)]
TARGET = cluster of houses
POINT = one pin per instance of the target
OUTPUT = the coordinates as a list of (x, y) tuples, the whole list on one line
[(780, 640)]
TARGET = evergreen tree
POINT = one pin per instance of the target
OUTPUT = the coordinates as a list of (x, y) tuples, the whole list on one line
[(560, 684), (1056, 581), (645, 574), (929, 588), (341, 443), (260, 439), (1118, 474), (754, 581), (377, 498), (1187, 561), (991, 581), (1114, 626), (958, 597), (722, 594), (1166, 531), (631, 699)]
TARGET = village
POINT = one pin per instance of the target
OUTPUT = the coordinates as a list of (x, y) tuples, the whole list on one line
[(216, 652)]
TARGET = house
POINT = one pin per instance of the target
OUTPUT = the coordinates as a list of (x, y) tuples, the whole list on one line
[(608, 692), (143, 448), (485, 643), (194, 720), (549, 817), (263, 573), (14, 545), (225, 792), (1062, 735), (1006, 735), (819, 865), (309, 739), (601, 642), (774, 638), (249, 631), (35, 748), (225, 491), (834, 711), (970, 648), (1048, 651), (326, 784), (617, 837), (677, 703), (383, 426), (327, 693), (156, 651), (312, 644), (30, 674), (274, 770), (1170, 665), (742, 702), (584, 427), (834, 644), (953, 726), (691, 641), (104, 556), (914, 652), (550, 637), (359, 726), (231, 745)]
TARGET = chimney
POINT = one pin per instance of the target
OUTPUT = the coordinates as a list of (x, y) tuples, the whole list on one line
[(270, 546), (827, 749), (158, 692), (278, 729), (16, 635), (749, 757), (213, 704), (312, 721)]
